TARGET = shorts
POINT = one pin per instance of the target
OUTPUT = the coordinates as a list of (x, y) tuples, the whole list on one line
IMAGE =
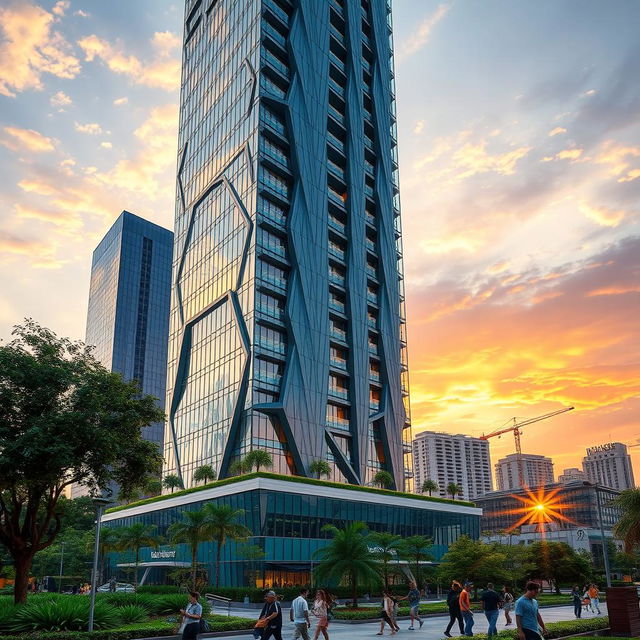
[(414, 609), (506, 607)]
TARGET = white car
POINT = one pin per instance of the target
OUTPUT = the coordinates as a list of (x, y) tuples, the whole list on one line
[(121, 587)]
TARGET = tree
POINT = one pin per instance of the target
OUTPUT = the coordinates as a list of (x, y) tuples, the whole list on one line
[(557, 562), (194, 528), (133, 538), (386, 547), (237, 467), (416, 549), (320, 468), (205, 473), (224, 525), (429, 486), (258, 458), (64, 419), (172, 482), (628, 526), (383, 479), (347, 556), (154, 486), (109, 541), (474, 561), (454, 490)]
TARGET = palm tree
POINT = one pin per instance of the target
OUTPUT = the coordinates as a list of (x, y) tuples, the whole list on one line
[(429, 486), (237, 468), (453, 490), (194, 528), (205, 473), (383, 479), (109, 541), (223, 526), (173, 482), (628, 526), (135, 537), (258, 458), (320, 468), (386, 548), (153, 486), (416, 549), (348, 555)]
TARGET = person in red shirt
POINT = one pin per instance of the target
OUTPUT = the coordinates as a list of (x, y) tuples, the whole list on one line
[(465, 609)]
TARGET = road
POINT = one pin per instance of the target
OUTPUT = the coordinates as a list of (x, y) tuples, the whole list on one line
[(433, 627)]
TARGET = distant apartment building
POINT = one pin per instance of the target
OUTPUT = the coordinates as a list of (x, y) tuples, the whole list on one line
[(128, 315), (609, 465), (538, 470), (570, 475), (445, 458)]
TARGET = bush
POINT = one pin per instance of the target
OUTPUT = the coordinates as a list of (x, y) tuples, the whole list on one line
[(131, 613), (58, 614), (7, 613), (157, 605)]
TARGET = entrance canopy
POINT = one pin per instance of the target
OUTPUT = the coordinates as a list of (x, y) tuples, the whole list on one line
[(147, 566)]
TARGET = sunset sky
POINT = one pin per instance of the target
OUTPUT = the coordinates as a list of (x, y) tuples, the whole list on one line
[(519, 134)]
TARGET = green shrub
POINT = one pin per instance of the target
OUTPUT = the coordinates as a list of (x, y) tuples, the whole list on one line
[(58, 614), (7, 613), (131, 613)]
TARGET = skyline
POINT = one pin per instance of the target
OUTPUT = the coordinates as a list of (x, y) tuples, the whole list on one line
[(508, 315)]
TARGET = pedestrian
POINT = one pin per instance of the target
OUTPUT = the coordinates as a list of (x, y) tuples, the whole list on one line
[(112, 585), (453, 603), (414, 604), (577, 601), (272, 615), (507, 599), (491, 603), (594, 596), (299, 614), (465, 608), (191, 617), (586, 601), (322, 611), (386, 614), (528, 617)]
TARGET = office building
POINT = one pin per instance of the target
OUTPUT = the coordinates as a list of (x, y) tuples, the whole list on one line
[(538, 470), (287, 326), (446, 458), (128, 315), (572, 475), (609, 465)]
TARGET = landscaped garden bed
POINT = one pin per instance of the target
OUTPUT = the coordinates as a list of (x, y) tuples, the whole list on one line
[(555, 629)]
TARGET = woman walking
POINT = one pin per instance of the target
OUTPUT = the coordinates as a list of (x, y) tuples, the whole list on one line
[(386, 614), (577, 601), (507, 599), (191, 617), (453, 604), (322, 610)]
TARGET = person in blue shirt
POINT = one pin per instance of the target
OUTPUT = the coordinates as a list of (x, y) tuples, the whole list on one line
[(528, 617), (191, 617)]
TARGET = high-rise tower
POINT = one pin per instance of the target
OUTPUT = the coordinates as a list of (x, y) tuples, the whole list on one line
[(287, 328)]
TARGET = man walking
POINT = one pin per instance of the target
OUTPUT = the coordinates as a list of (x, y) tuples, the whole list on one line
[(299, 614), (491, 602), (272, 614), (414, 605), (528, 618), (453, 603), (594, 596), (465, 609)]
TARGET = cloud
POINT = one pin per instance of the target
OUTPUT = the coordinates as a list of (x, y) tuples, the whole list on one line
[(473, 158), (27, 139), (120, 101), (603, 216), (421, 35), (419, 126), (162, 72), (60, 7), (70, 222), (30, 47), (41, 254), (60, 100), (569, 154), (81, 13), (91, 128), (106, 145), (557, 131), (616, 156)]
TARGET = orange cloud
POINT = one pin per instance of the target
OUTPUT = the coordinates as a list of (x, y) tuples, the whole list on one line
[(27, 139), (42, 255), (30, 47), (603, 216), (420, 37), (557, 131)]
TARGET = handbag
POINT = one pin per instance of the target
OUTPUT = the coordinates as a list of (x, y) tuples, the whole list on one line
[(260, 624), (204, 626)]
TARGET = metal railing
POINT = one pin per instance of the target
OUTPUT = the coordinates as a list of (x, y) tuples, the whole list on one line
[(218, 601)]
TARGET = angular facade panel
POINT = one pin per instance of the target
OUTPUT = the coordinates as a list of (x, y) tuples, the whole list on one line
[(287, 325)]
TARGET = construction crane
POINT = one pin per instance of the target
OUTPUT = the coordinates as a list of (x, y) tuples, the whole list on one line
[(515, 427)]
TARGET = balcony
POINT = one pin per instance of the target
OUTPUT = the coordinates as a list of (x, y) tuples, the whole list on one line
[(336, 305), (275, 63), (339, 392), (338, 423), (275, 10), (335, 142), (338, 363), (337, 116), (370, 244), (336, 87), (336, 224), (274, 34), (336, 170)]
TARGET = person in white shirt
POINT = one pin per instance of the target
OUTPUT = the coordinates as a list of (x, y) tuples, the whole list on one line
[(299, 615)]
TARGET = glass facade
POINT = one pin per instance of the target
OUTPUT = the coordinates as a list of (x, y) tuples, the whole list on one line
[(287, 526), (128, 314), (287, 325)]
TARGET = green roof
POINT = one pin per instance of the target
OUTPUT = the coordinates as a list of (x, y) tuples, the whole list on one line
[(298, 479)]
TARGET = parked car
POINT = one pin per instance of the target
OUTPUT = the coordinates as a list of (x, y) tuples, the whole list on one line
[(121, 587)]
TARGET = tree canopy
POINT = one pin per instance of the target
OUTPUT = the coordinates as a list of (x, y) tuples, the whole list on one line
[(628, 527), (474, 561), (64, 419)]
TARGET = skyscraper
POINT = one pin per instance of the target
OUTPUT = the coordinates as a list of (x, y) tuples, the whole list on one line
[(610, 465), (287, 328), (446, 458), (128, 315), (538, 471)]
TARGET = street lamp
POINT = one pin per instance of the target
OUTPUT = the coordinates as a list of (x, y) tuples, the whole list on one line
[(99, 502)]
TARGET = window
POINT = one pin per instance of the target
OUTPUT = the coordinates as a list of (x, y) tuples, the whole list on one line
[(271, 339), (269, 305), (268, 371), (337, 416)]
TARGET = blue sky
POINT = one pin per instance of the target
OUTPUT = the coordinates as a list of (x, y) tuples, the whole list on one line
[(519, 133)]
